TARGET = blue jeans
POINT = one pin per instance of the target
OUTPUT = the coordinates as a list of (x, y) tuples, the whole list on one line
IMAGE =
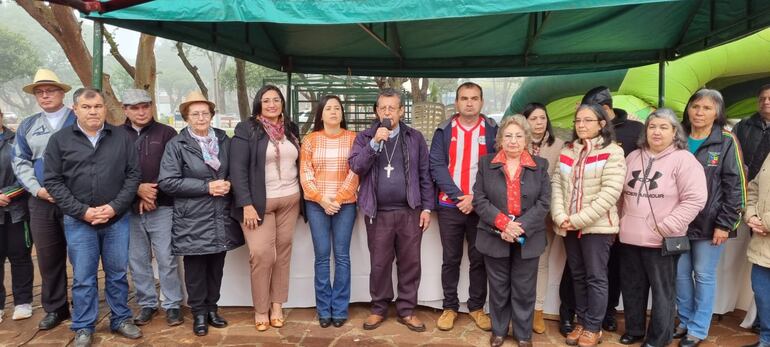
[(695, 300), (331, 232), (151, 235), (760, 283), (85, 245)]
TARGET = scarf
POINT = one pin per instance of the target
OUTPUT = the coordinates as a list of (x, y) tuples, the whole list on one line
[(534, 147), (276, 133), (209, 147)]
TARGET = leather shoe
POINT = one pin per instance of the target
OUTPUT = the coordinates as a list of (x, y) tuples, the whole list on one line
[(324, 322), (574, 335), (679, 333), (413, 323), (200, 326), (83, 338), (628, 339), (52, 319), (525, 343), (689, 341), (565, 326), (215, 320), (338, 322), (610, 323), (174, 317), (590, 338), (496, 341), (128, 329), (373, 321), (145, 315), (758, 344)]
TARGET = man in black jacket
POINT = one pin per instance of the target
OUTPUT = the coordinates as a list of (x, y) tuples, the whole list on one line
[(754, 134), (151, 215), (92, 173)]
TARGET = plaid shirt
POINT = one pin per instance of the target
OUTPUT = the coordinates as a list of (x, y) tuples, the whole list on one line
[(324, 169)]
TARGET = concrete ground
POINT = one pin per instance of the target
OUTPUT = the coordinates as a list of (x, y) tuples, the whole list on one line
[(302, 329)]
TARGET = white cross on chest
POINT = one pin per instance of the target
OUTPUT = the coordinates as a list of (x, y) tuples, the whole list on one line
[(388, 169)]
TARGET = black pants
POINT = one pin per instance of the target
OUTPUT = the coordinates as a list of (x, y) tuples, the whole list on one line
[(643, 269), (203, 280), (613, 278), (454, 228), (566, 295), (14, 246), (47, 230), (512, 287), (587, 257)]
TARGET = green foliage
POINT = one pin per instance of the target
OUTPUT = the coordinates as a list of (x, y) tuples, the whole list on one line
[(19, 58)]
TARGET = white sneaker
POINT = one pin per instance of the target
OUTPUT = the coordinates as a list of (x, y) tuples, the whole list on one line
[(22, 311)]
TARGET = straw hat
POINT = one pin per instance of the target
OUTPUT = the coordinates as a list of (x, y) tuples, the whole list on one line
[(193, 97), (45, 77)]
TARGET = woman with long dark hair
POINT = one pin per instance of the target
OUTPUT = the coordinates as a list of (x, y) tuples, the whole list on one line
[(330, 201)]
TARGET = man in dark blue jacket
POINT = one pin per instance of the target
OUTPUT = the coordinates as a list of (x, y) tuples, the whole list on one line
[(92, 172), (457, 145)]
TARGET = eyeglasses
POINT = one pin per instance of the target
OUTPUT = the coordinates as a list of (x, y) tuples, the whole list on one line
[(584, 121), (199, 115), (42, 92), (388, 108)]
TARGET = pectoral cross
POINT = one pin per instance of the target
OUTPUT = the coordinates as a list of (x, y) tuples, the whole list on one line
[(388, 169)]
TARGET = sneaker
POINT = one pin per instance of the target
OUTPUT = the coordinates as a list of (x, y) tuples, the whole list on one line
[(128, 329), (83, 338), (22, 311)]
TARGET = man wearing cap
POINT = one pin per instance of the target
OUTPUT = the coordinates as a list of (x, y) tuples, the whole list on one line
[(92, 171), (45, 217), (626, 135), (151, 215)]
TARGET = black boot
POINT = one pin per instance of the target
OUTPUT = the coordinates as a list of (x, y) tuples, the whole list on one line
[(200, 326), (565, 321)]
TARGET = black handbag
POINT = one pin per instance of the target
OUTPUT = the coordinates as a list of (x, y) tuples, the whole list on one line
[(672, 245)]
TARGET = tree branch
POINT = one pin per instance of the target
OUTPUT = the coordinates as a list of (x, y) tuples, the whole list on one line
[(193, 69), (119, 57)]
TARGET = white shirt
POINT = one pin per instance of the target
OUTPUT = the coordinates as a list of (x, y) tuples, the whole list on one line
[(56, 118), (94, 138)]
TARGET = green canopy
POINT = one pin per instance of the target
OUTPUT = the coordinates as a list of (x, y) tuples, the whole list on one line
[(441, 38)]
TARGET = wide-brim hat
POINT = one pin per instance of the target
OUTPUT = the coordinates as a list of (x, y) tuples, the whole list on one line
[(45, 77), (191, 98)]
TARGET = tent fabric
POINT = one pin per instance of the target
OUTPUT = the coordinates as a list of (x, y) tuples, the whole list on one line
[(434, 38)]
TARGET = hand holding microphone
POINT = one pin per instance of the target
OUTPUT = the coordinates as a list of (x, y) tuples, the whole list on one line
[(383, 132)]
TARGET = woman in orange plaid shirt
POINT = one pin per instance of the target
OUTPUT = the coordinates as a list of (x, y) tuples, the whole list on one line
[(330, 201)]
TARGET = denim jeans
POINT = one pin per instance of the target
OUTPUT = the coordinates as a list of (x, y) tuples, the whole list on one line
[(85, 245), (151, 235), (760, 282), (696, 275), (331, 233)]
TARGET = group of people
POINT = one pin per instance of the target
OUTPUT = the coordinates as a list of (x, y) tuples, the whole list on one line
[(619, 193)]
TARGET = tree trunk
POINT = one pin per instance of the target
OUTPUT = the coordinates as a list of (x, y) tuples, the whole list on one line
[(240, 88), (61, 23), (193, 70), (419, 91), (145, 68)]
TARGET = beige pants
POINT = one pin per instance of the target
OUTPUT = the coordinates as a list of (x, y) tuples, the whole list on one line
[(542, 269), (270, 252)]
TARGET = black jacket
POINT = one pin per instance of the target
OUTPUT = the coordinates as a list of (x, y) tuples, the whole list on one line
[(721, 158), (150, 142), (18, 206), (202, 223), (247, 166), (627, 131), (754, 138), (79, 175), (490, 198)]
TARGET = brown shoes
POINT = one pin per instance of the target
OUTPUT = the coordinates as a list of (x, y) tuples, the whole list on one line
[(525, 343), (538, 324), (496, 341), (413, 323), (590, 338), (574, 336), (373, 322), (447, 320), (482, 319)]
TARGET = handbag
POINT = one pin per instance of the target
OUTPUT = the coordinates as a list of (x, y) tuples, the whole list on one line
[(672, 245)]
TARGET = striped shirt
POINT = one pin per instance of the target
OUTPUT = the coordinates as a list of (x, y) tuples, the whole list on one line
[(465, 149), (324, 169)]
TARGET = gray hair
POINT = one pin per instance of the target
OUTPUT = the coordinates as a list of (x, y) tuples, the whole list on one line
[(680, 137), (518, 120), (388, 93), (86, 93)]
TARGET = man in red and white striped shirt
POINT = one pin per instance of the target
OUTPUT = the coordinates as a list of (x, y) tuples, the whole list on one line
[(457, 145)]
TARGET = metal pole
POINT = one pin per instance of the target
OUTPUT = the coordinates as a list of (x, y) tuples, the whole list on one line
[(661, 83), (288, 97), (97, 64)]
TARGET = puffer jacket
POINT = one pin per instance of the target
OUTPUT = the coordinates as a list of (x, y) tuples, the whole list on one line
[(721, 158), (202, 223), (758, 204), (603, 174), (667, 188)]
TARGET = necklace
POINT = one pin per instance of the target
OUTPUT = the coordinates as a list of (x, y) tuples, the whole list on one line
[(389, 157)]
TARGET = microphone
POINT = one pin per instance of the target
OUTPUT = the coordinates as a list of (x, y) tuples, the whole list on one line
[(388, 124)]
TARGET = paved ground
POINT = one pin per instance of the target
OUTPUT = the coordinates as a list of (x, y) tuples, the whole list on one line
[(302, 329)]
